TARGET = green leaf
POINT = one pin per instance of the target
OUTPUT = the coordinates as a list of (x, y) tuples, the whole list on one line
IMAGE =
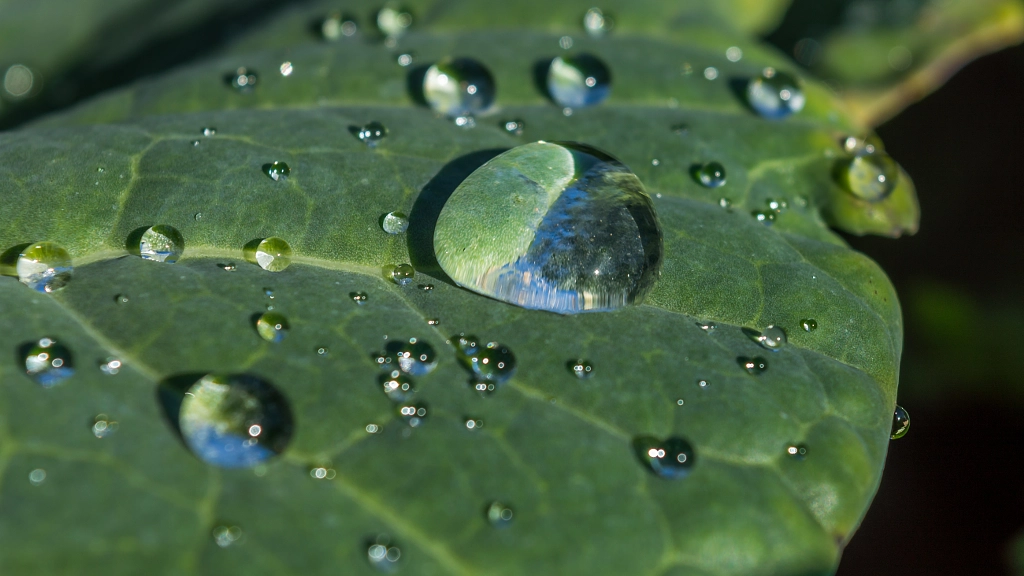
[(557, 448)]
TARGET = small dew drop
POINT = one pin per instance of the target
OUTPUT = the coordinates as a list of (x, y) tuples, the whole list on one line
[(703, 383), (434, 321), (474, 423), (499, 515), (514, 127), (103, 426), (766, 217), (809, 324), (597, 23), (413, 414), (161, 243), (413, 356), (225, 536), (286, 69), (680, 402), (49, 363), (322, 351), (734, 54), (711, 73), (359, 297), (383, 554), (581, 368), (198, 216), (565, 42), (110, 366), (336, 25), (322, 473), (371, 134), (900, 423), (393, 21), (373, 428), (397, 386), (426, 287), (37, 477), (725, 203), (708, 327), (797, 451), (278, 171), (671, 458), (395, 222), (870, 176), (243, 80), (755, 365), (403, 274), (405, 60), (228, 266), (711, 175), (493, 362), (272, 326), (209, 131)]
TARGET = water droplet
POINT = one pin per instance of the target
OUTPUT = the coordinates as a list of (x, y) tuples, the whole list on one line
[(393, 20), (711, 175), (725, 203), (581, 368), (414, 356), (458, 87), (687, 69), (597, 23), (161, 243), (809, 324), (680, 402), (755, 365), (426, 287), (492, 362), (772, 338), (235, 420), (434, 321), (37, 476), (121, 298), (198, 216), (383, 554), (228, 266), (775, 95), (272, 254), (322, 351), (110, 366), (373, 428), (514, 127), (766, 217), (708, 327), (577, 230), (337, 25), (48, 363), (499, 515), (577, 81), (286, 69), (359, 297), (703, 383), (474, 423), (44, 267), (671, 458), (398, 387), (565, 42), (733, 54), (711, 73), (466, 344), (680, 129), (395, 223), (371, 134), (797, 451), (413, 414), (243, 79), (103, 426), (278, 171), (225, 536), (209, 131), (870, 177), (403, 274), (272, 327), (322, 473), (900, 423), (484, 387), (405, 59)]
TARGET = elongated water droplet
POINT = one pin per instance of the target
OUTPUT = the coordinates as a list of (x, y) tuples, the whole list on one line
[(900, 423), (708, 327), (671, 458), (243, 79), (383, 554), (395, 223), (413, 414), (393, 20), (359, 297), (403, 274), (755, 365), (597, 23), (870, 177), (103, 426), (772, 338), (775, 95), (278, 171), (499, 515), (578, 81), (48, 363), (581, 368), (711, 175), (561, 227), (225, 536), (235, 420), (809, 324), (272, 327), (161, 243), (272, 254), (458, 87), (797, 451), (372, 133), (414, 356), (44, 267), (398, 386)]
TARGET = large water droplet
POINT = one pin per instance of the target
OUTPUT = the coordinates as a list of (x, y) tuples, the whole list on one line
[(499, 515), (870, 177), (900, 423), (393, 20), (44, 267), (383, 554), (48, 363), (772, 338), (755, 365), (278, 171), (553, 226), (711, 175), (581, 368), (372, 133), (403, 274), (458, 87), (775, 94), (671, 458), (577, 81), (597, 23), (272, 327), (272, 254), (235, 420), (414, 356), (161, 243), (395, 223), (398, 386)]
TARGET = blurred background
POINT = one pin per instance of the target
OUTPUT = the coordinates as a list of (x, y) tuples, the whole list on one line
[(951, 499)]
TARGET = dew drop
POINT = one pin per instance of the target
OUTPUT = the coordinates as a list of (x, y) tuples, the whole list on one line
[(514, 127), (466, 344), (434, 321), (597, 23), (403, 274), (322, 473), (492, 362), (395, 223), (243, 79), (869, 176), (755, 365), (278, 171), (413, 414), (393, 20), (458, 87), (37, 477), (578, 81), (426, 287), (103, 426), (322, 351), (499, 515), (772, 338), (703, 383), (225, 536), (711, 175), (578, 232), (110, 366), (414, 356), (671, 458), (406, 59), (797, 451), (48, 363), (725, 203), (161, 243), (708, 327), (235, 420), (383, 554), (358, 297), (44, 267), (581, 368), (900, 423), (209, 131), (775, 95), (198, 216), (228, 266), (474, 423), (371, 134), (733, 54), (272, 326), (398, 386), (286, 69), (484, 387), (121, 298), (809, 324), (680, 402), (711, 73), (336, 25), (373, 428), (565, 42), (272, 254)]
